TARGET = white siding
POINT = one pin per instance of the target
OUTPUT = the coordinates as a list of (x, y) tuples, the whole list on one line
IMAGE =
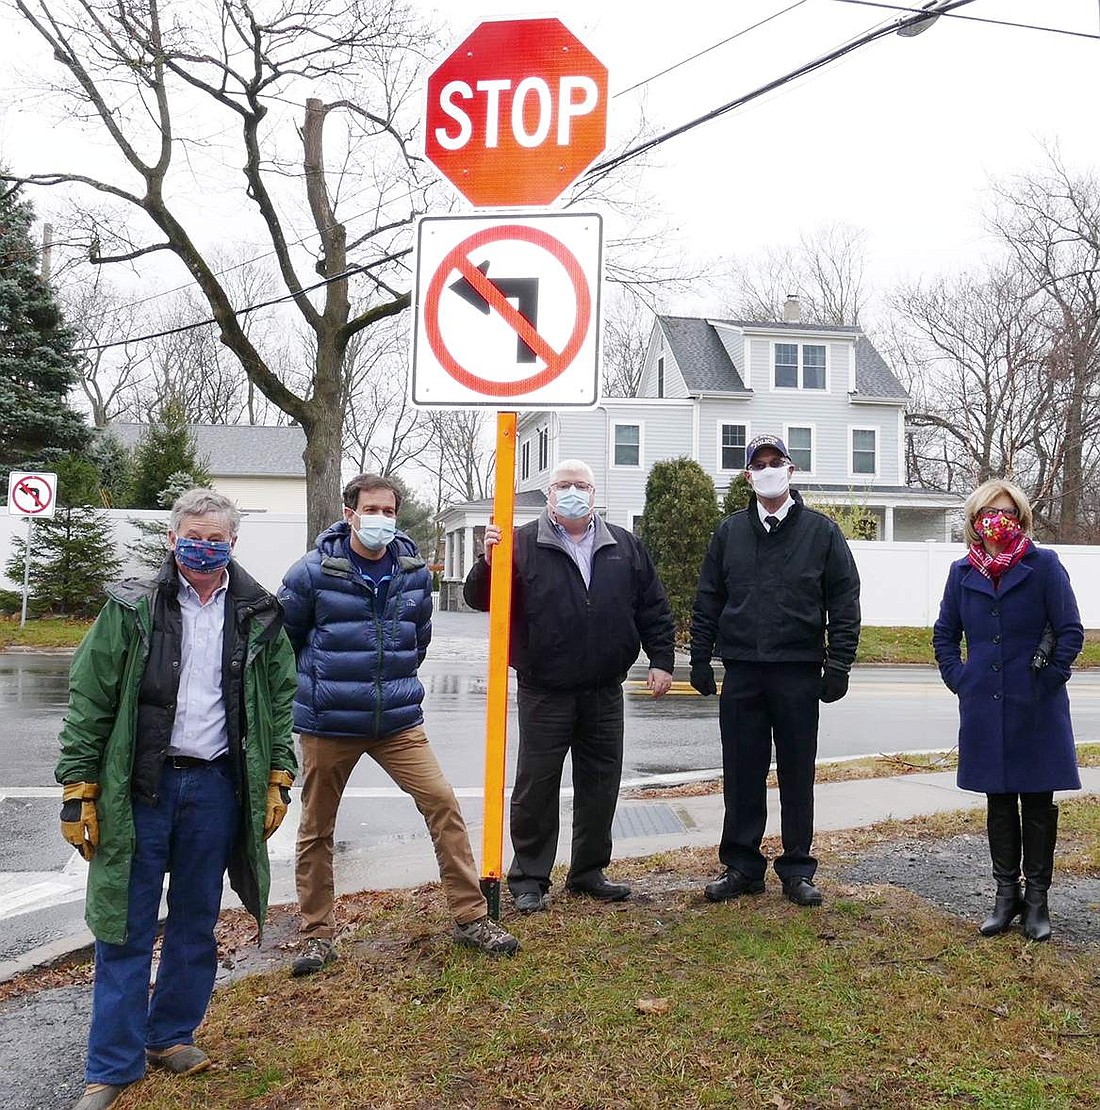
[(675, 386), (273, 495)]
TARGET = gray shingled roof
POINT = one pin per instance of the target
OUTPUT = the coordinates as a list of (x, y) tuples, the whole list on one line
[(873, 377), (707, 368), (237, 450), (701, 356)]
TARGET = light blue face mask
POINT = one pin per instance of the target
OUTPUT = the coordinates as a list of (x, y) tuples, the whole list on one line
[(572, 503), (375, 532)]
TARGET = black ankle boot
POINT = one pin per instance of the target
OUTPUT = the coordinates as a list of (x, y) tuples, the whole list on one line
[(1040, 834), (1007, 906), (1003, 829)]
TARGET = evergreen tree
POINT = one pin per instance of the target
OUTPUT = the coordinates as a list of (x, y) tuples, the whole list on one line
[(416, 519), (737, 495), (681, 512), (73, 557), (37, 365), (152, 544), (166, 450)]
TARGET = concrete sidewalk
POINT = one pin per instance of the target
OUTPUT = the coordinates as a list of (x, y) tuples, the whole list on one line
[(643, 826)]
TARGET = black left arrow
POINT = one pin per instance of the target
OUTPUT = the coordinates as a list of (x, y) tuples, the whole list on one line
[(524, 291)]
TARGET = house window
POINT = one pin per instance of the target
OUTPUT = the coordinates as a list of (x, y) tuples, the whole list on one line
[(636, 523), (813, 366), (525, 460), (544, 448), (786, 365), (628, 445), (864, 451), (661, 376), (800, 444), (732, 451), (799, 365)]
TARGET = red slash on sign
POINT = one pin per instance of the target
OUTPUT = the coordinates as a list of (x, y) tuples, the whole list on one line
[(32, 495), (478, 281)]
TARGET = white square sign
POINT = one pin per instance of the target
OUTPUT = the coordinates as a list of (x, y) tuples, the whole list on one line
[(32, 494), (507, 311)]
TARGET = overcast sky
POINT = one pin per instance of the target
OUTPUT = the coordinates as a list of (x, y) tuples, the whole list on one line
[(900, 138)]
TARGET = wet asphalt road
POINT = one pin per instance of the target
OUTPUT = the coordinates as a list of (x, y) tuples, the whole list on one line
[(887, 710)]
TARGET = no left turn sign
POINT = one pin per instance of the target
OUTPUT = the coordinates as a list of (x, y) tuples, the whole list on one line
[(32, 494), (507, 311)]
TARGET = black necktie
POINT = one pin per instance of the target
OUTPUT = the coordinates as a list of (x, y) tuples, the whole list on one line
[(772, 522)]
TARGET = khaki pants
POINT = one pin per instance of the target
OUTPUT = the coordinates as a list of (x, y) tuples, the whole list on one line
[(327, 763)]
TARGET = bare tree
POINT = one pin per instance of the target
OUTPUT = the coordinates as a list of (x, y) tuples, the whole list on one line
[(824, 270), (102, 317), (628, 323), (461, 455), (138, 70), (982, 399), (1050, 221), (382, 430)]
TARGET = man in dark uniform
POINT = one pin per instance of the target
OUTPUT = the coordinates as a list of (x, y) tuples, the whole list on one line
[(778, 602)]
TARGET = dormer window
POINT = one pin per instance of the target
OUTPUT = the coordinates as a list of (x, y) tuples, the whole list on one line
[(799, 366)]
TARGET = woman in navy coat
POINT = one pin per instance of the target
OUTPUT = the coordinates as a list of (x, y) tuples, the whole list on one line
[(1015, 738)]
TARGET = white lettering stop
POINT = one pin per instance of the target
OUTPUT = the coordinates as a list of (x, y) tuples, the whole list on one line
[(576, 96)]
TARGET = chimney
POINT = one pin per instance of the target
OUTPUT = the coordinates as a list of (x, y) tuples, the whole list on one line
[(792, 310)]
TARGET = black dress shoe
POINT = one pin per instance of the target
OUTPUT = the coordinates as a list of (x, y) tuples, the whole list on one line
[(531, 901), (802, 892), (731, 884), (596, 886)]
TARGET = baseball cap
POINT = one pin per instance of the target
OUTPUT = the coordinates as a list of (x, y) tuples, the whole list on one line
[(765, 441)]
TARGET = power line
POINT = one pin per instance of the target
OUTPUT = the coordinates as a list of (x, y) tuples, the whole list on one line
[(974, 19), (867, 37), (351, 271), (708, 49)]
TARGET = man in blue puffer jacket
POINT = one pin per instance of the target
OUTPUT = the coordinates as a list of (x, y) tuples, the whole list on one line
[(358, 610)]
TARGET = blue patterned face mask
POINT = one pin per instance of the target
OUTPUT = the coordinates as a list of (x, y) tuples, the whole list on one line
[(203, 555)]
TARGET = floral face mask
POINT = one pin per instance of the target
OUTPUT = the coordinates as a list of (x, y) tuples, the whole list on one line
[(997, 526)]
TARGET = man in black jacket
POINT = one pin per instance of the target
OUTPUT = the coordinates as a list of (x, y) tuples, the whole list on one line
[(585, 598), (778, 601)]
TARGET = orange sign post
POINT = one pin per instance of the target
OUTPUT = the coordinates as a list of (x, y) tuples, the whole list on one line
[(496, 710)]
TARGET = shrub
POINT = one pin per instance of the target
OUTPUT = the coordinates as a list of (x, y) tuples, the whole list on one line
[(681, 512)]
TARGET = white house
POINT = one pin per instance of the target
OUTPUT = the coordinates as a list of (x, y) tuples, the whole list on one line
[(707, 387), (260, 467)]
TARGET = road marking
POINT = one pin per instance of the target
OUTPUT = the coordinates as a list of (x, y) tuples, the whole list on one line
[(27, 891)]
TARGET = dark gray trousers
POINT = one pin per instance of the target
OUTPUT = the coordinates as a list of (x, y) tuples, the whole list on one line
[(589, 724)]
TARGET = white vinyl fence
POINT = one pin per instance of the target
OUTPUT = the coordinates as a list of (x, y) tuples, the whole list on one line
[(902, 582)]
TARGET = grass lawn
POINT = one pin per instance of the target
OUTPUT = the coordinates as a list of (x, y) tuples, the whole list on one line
[(876, 1000), (42, 632), (876, 645)]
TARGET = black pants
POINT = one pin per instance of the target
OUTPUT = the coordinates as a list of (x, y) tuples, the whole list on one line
[(762, 702), (552, 722)]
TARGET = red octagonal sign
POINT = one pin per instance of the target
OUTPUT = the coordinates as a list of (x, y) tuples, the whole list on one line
[(516, 113)]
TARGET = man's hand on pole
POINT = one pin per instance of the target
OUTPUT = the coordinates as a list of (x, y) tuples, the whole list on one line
[(658, 681), (493, 536)]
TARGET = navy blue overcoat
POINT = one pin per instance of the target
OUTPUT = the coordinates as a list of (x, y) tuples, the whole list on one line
[(1015, 734)]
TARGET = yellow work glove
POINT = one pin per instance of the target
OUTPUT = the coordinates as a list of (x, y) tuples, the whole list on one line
[(278, 798), (79, 821)]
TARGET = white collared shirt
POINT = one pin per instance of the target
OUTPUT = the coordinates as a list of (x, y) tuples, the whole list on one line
[(580, 548), (199, 729), (779, 514)]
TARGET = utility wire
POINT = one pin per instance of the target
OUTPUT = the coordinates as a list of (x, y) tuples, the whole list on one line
[(974, 19), (708, 49), (351, 271), (817, 63)]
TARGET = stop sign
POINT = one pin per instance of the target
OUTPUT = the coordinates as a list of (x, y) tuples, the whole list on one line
[(516, 112)]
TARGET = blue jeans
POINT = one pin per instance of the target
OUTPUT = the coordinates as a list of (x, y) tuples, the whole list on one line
[(190, 834)]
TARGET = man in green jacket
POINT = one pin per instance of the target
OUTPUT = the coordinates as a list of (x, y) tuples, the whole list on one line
[(176, 757)]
